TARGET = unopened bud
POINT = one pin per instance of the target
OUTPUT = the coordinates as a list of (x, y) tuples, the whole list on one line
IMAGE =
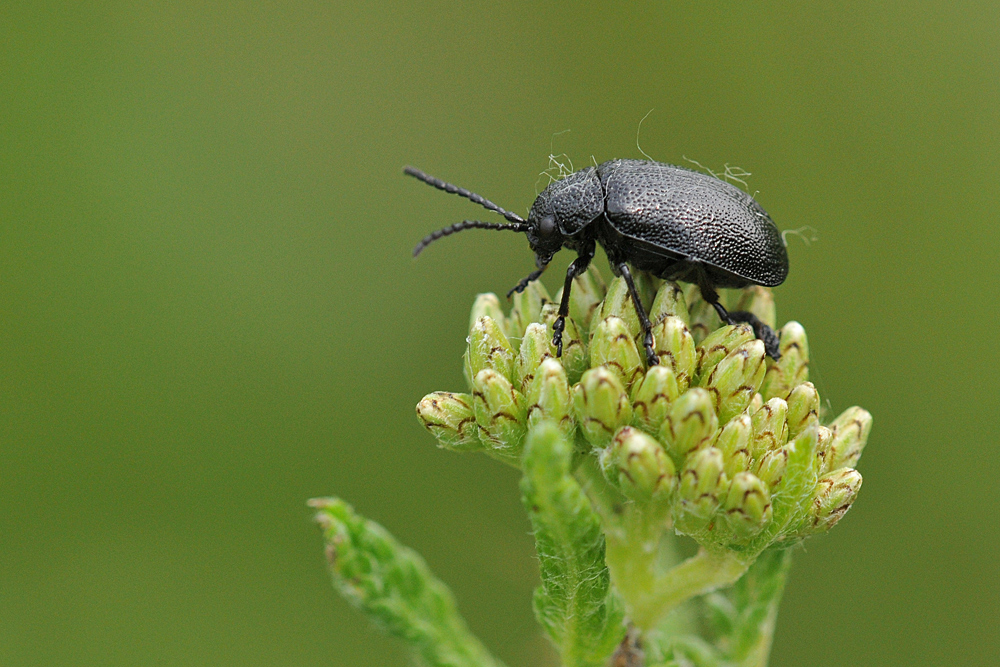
[(601, 404), (618, 303), (586, 296), (488, 348), (690, 424), (733, 440), (850, 434), (450, 418), (719, 344), (734, 380), (669, 302), (702, 483), (674, 345), (527, 308), (548, 397), (793, 368), (702, 318), (487, 305), (771, 468), (652, 397), (824, 452), (536, 347), (499, 411), (803, 408), (835, 493), (770, 428), (639, 466), (612, 346), (747, 507)]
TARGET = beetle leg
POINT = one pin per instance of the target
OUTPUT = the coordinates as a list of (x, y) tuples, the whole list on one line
[(576, 267), (647, 326), (760, 330), (541, 261)]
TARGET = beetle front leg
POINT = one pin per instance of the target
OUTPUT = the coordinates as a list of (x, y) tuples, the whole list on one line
[(647, 326), (576, 267), (541, 262)]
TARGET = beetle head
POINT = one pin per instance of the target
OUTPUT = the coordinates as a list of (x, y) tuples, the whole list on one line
[(544, 236)]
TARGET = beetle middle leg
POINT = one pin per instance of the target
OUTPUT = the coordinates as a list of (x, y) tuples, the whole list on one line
[(647, 326), (576, 267), (760, 330)]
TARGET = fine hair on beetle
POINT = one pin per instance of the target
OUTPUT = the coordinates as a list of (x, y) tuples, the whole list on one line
[(675, 223)]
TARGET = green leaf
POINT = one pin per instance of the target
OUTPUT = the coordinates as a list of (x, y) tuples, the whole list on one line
[(394, 586), (751, 608), (574, 603)]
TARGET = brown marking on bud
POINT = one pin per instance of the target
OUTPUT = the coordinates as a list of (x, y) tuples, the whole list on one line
[(591, 420)]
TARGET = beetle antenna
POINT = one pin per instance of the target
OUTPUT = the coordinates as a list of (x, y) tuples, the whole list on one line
[(467, 224), (462, 192)]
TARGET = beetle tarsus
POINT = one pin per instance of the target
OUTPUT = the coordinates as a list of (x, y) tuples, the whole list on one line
[(760, 330), (524, 282), (765, 333), (557, 332)]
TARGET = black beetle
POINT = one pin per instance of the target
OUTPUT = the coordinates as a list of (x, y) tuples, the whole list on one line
[(675, 223)]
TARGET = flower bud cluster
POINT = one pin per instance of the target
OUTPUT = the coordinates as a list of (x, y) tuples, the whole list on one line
[(723, 441)]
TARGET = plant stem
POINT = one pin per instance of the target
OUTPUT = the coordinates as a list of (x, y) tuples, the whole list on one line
[(650, 595)]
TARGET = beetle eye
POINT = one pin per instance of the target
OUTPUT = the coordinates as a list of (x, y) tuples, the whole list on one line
[(547, 226)]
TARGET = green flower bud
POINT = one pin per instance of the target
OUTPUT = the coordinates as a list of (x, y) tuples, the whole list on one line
[(793, 368), (669, 302), (536, 347), (702, 483), (759, 301), (770, 428), (488, 348), (585, 298), (850, 434), (690, 424), (574, 357), (637, 464), (500, 413), (450, 418), (602, 405), (527, 308), (771, 468), (756, 403), (674, 345), (824, 438), (803, 408), (747, 507), (734, 380), (795, 490), (702, 318), (613, 347), (733, 440), (720, 344), (618, 303), (835, 493), (487, 305), (548, 397), (651, 398)]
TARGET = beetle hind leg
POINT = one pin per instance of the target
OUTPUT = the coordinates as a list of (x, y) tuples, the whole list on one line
[(760, 330)]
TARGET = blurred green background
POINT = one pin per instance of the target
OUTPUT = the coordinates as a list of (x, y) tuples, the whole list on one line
[(209, 313)]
